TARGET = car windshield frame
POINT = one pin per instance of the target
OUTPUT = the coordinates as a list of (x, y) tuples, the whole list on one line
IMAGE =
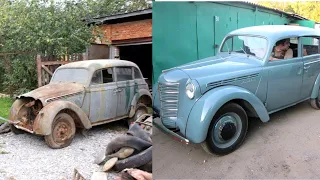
[(81, 71), (247, 35)]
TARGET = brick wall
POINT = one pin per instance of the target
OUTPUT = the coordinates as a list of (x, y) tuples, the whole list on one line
[(128, 30)]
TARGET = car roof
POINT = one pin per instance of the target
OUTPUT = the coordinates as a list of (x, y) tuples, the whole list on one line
[(98, 64), (276, 31)]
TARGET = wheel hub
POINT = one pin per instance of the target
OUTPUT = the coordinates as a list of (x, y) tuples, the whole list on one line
[(227, 131), (61, 132)]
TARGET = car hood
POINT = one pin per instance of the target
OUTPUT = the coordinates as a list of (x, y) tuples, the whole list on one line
[(54, 90), (219, 68)]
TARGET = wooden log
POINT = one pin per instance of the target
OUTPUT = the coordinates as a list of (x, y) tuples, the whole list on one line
[(39, 70)]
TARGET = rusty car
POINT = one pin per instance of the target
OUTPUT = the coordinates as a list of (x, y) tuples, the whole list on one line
[(81, 95)]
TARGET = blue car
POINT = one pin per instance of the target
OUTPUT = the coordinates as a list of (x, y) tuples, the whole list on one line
[(258, 70)]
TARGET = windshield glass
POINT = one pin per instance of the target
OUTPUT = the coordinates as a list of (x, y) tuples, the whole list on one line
[(71, 75), (255, 46)]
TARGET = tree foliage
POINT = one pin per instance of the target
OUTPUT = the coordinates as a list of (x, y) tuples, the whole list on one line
[(307, 9), (50, 28)]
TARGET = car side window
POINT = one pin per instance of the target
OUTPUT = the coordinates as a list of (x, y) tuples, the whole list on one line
[(124, 73), (107, 75), (96, 78), (137, 74), (285, 49), (310, 45), (102, 76)]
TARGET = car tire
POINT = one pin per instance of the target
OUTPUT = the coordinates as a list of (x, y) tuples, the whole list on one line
[(63, 131), (15, 130), (315, 103), (141, 109), (227, 130)]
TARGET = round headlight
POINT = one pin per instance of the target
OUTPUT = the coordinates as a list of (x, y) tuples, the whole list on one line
[(190, 90)]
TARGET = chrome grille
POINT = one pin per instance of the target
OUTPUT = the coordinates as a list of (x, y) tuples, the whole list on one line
[(169, 95)]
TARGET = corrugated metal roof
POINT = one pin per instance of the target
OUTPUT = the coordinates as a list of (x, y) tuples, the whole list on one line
[(102, 19), (276, 10)]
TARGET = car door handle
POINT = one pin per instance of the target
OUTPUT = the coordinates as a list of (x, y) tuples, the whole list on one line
[(300, 71), (117, 90), (306, 67)]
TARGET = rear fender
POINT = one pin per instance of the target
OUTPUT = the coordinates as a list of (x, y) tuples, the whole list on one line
[(141, 93), (316, 86)]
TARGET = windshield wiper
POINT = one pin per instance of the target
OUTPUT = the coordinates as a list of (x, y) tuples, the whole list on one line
[(244, 51), (228, 49)]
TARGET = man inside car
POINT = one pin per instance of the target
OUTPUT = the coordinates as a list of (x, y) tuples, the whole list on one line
[(282, 50)]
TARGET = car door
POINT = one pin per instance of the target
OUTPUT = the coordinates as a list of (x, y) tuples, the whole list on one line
[(284, 82), (125, 84), (103, 96), (311, 64), (139, 81)]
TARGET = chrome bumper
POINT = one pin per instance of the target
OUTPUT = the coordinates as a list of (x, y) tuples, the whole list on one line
[(157, 123)]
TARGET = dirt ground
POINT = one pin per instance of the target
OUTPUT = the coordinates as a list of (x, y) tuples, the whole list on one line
[(288, 146)]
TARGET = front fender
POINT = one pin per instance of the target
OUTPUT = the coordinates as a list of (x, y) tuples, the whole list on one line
[(315, 90), (43, 122), (206, 107)]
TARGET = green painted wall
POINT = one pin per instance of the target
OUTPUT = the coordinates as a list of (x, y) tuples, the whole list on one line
[(187, 31), (306, 23)]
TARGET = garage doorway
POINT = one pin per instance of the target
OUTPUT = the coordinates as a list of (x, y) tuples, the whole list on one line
[(140, 54)]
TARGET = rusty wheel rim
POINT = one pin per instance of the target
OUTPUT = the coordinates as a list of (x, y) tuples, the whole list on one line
[(62, 131)]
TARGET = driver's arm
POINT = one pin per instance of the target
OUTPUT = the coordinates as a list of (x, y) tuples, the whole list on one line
[(289, 54)]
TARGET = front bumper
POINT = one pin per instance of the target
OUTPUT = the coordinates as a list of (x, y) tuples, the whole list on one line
[(157, 123), (16, 124)]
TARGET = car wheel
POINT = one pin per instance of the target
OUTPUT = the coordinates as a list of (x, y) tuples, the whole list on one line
[(227, 130), (63, 131), (141, 109), (15, 130), (315, 103)]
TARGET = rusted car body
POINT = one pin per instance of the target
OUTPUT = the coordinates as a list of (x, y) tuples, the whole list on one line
[(88, 92)]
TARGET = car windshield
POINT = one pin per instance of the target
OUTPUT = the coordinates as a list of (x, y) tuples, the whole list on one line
[(71, 75), (249, 45)]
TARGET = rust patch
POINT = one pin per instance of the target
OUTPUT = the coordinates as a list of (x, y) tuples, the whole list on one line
[(25, 110), (54, 90), (43, 122), (108, 120)]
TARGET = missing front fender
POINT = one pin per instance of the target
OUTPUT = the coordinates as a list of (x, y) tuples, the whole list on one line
[(24, 112)]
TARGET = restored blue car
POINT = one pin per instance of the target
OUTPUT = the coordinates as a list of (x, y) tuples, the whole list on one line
[(258, 71)]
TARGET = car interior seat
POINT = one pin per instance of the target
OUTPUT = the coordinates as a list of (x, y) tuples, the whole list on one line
[(294, 48)]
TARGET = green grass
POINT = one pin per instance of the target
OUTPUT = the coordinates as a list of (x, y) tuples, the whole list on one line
[(5, 105)]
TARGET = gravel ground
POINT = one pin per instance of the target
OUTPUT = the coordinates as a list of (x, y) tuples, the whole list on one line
[(26, 156)]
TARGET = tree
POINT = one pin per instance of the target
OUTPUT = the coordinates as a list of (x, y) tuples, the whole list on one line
[(307, 9), (50, 28)]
